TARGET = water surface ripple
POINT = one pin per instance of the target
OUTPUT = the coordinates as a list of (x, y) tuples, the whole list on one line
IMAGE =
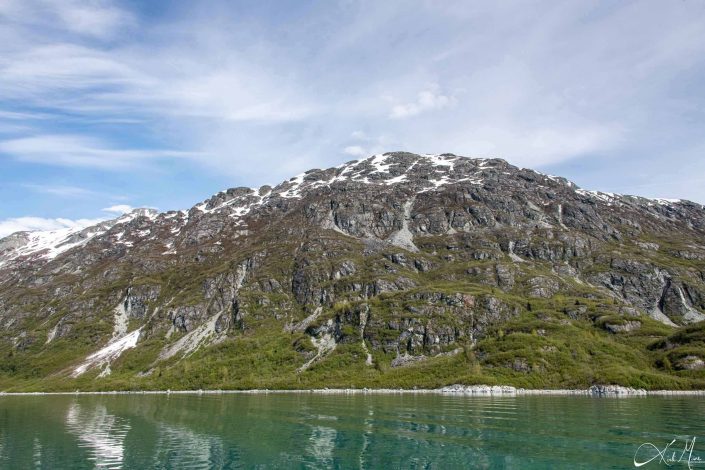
[(339, 431)]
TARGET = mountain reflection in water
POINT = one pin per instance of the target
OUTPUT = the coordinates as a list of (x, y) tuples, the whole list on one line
[(344, 431)]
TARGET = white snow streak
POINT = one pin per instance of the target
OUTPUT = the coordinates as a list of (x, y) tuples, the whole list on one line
[(109, 353)]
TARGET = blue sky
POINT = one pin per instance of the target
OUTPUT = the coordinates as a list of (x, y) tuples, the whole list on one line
[(110, 105)]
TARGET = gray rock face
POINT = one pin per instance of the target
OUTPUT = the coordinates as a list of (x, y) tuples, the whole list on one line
[(625, 327), (138, 298), (186, 318), (543, 287), (690, 362), (377, 247)]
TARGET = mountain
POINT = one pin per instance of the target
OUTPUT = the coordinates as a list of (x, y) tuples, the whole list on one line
[(398, 270)]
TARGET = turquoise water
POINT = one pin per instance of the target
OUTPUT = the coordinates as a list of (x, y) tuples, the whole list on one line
[(343, 431)]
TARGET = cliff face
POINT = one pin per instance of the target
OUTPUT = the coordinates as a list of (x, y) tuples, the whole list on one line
[(397, 270)]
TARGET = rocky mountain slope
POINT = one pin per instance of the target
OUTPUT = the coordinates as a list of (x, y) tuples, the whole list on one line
[(396, 270)]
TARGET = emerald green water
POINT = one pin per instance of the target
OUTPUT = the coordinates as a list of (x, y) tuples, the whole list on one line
[(338, 431)]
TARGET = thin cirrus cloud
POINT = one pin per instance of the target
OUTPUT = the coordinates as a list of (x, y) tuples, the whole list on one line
[(71, 150), (65, 191), (94, 19), (180, 81), (129, 84)]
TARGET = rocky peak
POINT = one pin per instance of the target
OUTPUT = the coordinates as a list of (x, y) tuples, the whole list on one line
[(418, 174), (501, 194)]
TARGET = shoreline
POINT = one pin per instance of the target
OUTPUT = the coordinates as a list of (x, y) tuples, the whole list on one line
[(452, 390)]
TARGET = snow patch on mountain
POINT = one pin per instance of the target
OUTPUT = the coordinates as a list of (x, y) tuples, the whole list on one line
[(104, 356), (607, 198)]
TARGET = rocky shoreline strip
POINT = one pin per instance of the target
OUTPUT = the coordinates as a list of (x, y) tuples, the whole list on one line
[(452, 390)]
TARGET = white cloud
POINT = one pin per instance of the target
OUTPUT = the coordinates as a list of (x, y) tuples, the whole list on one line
[(30, 224), (427, 100), (81, 151), (355, 151), (118, 209)]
